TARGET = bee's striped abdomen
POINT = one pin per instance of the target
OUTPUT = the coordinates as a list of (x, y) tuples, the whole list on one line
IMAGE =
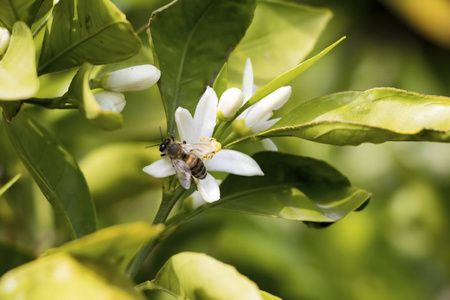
[(196, 165)]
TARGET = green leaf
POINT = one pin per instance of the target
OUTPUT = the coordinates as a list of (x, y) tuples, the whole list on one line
[(5, 187), (294, 188), (288, 76), (56, 172), (18, 77), (19, 10), (191, 41), (373, 116), (116, 244), (221, 82), (80, 93), (196, 276), (80, 31), (64, 277), (280, 36)]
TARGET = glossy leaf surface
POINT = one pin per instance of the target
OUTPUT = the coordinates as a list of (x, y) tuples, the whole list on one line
[(19, 10), (116, 244), (18, 77), (192, 40), (64, 277), (294, 188), (373, 116), (196, 276), (80, 31), (56, 172)]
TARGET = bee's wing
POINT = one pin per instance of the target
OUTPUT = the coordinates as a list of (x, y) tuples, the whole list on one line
[(200, 150), (183, 172)]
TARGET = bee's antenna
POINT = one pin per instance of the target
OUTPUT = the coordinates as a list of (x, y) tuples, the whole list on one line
[(160, 132), (162, 139), (152, 146)]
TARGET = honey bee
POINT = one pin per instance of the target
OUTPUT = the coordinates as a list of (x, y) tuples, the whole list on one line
[(188, 159)]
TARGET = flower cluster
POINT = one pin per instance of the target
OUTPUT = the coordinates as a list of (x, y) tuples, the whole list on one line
[(256, 118), (135, 78), (197, 131)]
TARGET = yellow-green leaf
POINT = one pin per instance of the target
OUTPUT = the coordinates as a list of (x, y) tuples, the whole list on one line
[(373, 116), (80, 93), (18, 76), (196, 276), (62, 276), (293, 188)]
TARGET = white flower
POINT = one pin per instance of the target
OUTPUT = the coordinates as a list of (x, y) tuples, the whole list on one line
[(111, 101), (230, 102), (194, 130), (135, 78), (256, 118), (4, 40)]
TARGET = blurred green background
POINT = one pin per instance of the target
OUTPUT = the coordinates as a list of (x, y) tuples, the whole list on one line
[(396, 248)]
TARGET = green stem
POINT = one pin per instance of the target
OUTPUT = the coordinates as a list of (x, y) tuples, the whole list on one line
[(142, 29), (42, 25), (169, 200), (52, 103), (230, 138)]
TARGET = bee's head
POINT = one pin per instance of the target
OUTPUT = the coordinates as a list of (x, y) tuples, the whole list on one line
[(164, 145)]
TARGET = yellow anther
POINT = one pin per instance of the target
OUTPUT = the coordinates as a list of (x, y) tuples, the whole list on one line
[(216, 146)]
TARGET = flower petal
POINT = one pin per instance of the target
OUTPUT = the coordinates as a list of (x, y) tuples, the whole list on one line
[(263, 125), (273, 101), (205, 114), (136, 78), (208, 188), (247, 80), (5, 37), (160, 168), (185, 125), (234, 162), (269, 145), (111, 101)]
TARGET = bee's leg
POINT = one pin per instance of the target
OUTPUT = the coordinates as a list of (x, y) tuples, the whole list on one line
[(163, 154), (195, 180)]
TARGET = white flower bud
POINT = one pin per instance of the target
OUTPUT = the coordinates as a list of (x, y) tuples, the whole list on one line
[(135, 78), (265, 106), (4, 40), (111, 101), (229, 103)]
